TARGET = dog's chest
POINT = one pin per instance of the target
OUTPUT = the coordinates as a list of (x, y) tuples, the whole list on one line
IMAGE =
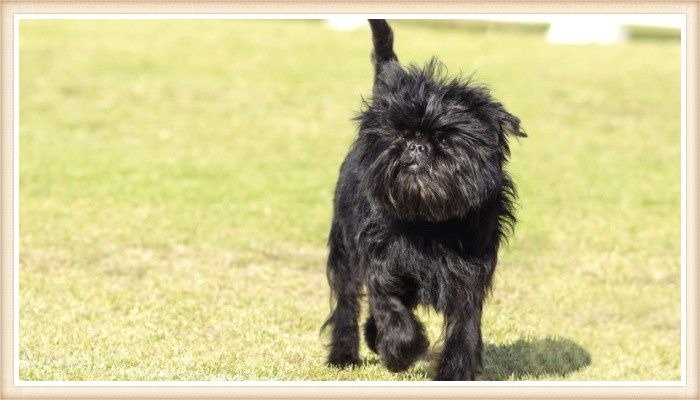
[(438, 262), (439, 267)]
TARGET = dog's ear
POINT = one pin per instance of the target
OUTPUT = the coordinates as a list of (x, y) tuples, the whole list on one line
[(504, 122)]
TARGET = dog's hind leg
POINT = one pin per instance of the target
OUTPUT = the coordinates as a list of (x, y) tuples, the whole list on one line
[(345, 292), (371, 333)]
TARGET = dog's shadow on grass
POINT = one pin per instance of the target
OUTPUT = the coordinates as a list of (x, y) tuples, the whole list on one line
[(533, 358), (550, 357)]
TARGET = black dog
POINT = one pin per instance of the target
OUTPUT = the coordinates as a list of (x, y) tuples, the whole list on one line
[(420, 208)]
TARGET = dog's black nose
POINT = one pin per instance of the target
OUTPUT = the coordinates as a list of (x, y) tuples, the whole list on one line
[(416, 148)]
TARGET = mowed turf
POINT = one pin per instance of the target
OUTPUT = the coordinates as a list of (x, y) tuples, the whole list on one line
[(176, 181)]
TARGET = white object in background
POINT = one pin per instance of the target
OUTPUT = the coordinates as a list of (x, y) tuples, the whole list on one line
[(346, 23), (572, 29)]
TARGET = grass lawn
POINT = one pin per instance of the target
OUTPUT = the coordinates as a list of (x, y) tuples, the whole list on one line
[(176, 180)]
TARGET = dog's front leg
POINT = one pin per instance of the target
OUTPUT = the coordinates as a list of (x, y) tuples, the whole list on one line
[(400, 337), (461, 357)]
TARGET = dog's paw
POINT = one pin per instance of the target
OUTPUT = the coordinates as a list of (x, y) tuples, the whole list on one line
[(454, 376), (455, 371), (343, 360), (401, 349)]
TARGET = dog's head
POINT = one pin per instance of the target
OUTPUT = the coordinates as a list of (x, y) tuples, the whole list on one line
[(433, 147)]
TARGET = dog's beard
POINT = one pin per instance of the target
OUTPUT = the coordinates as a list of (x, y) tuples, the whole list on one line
[(433, 190)]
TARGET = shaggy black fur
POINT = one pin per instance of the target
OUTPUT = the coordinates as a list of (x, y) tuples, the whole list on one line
[(420, 208)]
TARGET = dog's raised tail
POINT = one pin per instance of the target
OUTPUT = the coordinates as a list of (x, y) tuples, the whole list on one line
[(383, 39)]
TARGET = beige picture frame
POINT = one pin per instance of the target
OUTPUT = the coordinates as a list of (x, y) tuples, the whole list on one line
[(11, 388)]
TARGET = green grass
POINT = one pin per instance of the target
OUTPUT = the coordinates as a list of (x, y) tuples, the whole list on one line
[(176, 181)]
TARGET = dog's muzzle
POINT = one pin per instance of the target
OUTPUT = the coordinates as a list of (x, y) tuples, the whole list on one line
[(415, 155)]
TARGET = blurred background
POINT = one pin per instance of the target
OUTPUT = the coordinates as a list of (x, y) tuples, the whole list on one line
[(562, 28), (176, 181)]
